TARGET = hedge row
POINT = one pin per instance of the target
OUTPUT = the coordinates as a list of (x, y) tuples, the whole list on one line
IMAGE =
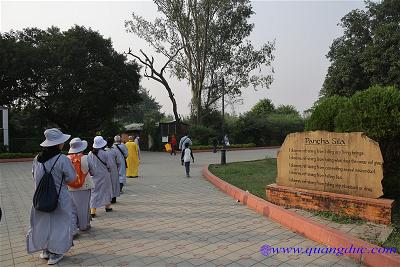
[(376, 112), (17, 155), (203, 147)]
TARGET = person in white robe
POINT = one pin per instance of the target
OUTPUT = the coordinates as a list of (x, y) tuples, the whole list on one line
[(99, 169), (80, 194), (51, 232), (122, 153)]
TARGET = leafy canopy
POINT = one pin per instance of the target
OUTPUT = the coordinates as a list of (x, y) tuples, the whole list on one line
[(205, 41), (73, 79), (368, 52)]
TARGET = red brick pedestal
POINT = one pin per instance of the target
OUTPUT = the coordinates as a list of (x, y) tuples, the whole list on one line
[(374, 210)]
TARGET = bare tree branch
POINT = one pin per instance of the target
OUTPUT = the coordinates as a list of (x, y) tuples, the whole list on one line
[(157, 76)]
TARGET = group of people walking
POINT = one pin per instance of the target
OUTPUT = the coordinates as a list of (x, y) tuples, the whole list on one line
[(84, 183)]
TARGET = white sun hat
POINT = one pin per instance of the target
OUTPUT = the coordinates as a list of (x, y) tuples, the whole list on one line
[(77, 145), (99, 142), (54, 137)]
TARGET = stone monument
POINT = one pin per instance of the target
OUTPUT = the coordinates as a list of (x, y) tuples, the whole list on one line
[(339, 172)]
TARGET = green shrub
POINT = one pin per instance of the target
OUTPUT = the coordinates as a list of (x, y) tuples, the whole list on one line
[(324, 113), (268, 130), (376, 112), (204, 147), (281, 125), (17, 155), (201, 134)]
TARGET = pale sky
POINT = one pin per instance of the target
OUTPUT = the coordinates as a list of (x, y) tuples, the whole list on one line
[(303, 32)]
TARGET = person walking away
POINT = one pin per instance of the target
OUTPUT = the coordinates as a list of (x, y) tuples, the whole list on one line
[(226, 140), (122, 153), (100, 170), (173, 144), (185, 139), (114, 162), (80, 188), (133, 158), (137, 142), (185, 158), (51, 232)]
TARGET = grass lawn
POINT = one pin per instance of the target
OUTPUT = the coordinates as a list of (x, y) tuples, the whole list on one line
[(253, 176)]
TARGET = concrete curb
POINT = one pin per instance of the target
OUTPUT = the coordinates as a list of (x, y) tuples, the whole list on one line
[(306, 227), (16, 160)]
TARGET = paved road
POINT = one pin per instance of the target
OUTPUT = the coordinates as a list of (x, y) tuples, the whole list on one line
[(162, 219)]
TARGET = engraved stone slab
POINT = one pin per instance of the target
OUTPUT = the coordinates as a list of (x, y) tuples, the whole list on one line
[(344, 163)]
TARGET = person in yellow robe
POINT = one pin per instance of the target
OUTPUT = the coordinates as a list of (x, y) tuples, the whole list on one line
[(133, 158)]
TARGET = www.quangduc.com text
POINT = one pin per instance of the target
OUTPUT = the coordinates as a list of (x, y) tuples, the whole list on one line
[(267, 250)]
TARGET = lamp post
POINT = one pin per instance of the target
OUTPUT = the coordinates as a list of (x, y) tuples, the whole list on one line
[(6, 143), (223, 150)]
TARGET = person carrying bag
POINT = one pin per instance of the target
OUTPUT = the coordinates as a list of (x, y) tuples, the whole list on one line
[(50, 228), (80, 188)]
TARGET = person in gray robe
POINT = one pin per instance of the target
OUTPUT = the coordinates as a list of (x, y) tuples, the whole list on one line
[(99, 169), (80, 195), (51, 232), (122, 153), (185, 139), (113, 163)]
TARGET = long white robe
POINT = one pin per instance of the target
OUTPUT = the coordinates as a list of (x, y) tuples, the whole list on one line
[(81, 200), (102, 192), (52, 230), (114, 163), (121, 160)]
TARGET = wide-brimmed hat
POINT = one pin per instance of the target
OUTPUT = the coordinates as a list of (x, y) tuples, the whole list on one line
[(77, 145), (54, 137), (99, 142)]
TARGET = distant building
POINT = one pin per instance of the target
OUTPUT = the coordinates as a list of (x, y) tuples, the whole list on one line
[(167, 129), (135, 129)]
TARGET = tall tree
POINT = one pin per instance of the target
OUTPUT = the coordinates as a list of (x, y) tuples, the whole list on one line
[(204, 41), (74, 79), (368, 51)]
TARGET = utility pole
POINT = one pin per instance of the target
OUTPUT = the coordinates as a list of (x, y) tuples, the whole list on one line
[(223, 150)]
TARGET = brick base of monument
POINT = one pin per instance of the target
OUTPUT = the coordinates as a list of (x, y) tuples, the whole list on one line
[(374, 210)]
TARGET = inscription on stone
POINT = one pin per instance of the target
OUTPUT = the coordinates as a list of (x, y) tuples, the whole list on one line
[(344, 163)]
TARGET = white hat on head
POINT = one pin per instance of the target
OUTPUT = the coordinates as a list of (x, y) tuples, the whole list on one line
[(54, 137), (99, 142), (77, 145)]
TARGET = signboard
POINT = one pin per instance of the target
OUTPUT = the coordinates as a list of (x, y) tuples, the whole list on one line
[(344, 163)]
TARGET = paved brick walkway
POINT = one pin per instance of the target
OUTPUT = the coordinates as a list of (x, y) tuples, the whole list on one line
[(162, 219)]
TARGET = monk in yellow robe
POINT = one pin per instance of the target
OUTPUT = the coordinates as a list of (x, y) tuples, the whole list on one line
[(133, 158)]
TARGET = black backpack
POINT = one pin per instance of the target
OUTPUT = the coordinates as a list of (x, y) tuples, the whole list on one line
[(46, 198)]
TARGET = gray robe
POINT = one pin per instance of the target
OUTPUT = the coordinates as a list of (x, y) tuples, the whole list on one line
[(81, 199), (102, 192), (121, 159), (114, 163), (183, 141), (52, 230)]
